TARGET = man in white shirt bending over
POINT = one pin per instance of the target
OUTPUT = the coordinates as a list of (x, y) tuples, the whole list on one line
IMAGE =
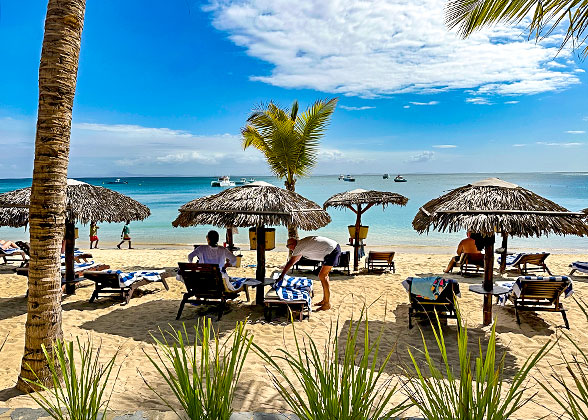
[(315, 248)]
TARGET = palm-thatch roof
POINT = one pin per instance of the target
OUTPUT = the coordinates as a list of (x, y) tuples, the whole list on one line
[(85, 203), (359, 196), (494, 205), (255, 204)]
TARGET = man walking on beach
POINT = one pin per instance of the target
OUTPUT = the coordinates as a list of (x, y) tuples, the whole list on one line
[(125, 235), (315, 248)]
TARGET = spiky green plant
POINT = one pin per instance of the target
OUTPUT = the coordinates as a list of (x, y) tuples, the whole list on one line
[(471, 394), (75, 392), (204, 384), (343, 381), (574, 402)]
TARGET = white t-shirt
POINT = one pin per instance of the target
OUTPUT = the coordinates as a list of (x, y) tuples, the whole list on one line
[(314, 247), (213, 255)]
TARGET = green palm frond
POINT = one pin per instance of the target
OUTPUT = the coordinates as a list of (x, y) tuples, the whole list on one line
[(289, 140), (471, 15)]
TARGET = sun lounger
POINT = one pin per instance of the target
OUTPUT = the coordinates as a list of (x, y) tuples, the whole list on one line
[(79, 270), (431, 294), (109, 282), (344, 261), (538, 293), (14, 255), (582, 267), (522, 261), (380, 260), (204, 283), (294, 292), (470, 263)]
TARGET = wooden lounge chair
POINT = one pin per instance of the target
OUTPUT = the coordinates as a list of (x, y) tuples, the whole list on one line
[(470, 263), (203, 282), (108, 284), (271, 300), (305, 262), (425, 308), (16, 256), (580, 266), (541, 294), (522, 261), (380, 260)]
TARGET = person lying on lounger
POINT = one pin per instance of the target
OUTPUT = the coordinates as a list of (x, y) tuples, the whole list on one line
[(466, 246), (8, 245), (213, 254)]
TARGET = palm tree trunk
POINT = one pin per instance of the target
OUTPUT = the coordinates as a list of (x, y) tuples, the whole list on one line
[(57, 84), (292, 230)]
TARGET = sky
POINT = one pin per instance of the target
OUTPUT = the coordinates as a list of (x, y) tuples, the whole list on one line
[(164, 88)]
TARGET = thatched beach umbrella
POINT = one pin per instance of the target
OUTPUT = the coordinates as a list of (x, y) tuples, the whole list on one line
[(493, 205), (85, 203), (258, 205), (359, 201)]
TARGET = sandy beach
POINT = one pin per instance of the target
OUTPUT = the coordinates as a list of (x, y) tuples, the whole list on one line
[(127, 329)]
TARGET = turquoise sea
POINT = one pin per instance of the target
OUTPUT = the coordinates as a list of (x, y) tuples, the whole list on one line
[(391, 226)]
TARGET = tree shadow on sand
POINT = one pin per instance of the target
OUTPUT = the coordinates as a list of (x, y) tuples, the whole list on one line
[(12, 307), (397, 337)]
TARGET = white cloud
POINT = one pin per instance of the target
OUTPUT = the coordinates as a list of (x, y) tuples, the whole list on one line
[(381, 47), (519, 145), (356, 108), (580, 71), (557, 144), (422, 157), (425, 103), (511, 102), (478, 101), (576, 132), (445, 146)]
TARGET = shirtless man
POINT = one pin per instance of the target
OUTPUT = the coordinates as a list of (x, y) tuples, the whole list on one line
[(8, 244), (315, 248), (466, 246)]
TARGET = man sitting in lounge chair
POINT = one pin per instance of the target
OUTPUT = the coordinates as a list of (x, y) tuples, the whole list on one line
[(315, 248), (466, 246), (214, 254)]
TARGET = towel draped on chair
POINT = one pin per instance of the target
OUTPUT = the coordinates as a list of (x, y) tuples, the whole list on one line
[(126, 279), (516, 286), (294, 288), (580, 266), (426, 287)]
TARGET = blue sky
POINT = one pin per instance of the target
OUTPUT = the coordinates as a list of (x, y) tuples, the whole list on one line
[(164, 88)]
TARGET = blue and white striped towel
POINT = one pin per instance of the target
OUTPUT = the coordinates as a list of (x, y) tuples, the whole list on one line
[(582, 267), (516, 289), (77, 253), (515, 258), (294, 289), (126, 279), (237, 282), (11, 251), (81, 266)]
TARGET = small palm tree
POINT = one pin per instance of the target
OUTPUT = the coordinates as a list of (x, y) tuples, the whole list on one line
[(471, 15), (289, 141)]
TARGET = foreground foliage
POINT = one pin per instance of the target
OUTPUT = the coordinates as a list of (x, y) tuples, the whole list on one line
[(204, 384), (481, 393), (81, 393), (573, 402), (344, 383)]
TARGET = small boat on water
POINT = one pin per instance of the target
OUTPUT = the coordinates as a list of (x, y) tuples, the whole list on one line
[(117, 181), (242, 181), (341, 177), (348, 178), (400, 178), (251, 180), (385, 176), (223, 181)]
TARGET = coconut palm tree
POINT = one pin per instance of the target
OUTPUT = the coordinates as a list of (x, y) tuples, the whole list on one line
[(471, 15), (57, 84), (289, 141)]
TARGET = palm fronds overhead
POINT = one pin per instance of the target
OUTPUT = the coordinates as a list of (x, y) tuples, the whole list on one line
[(255, 204), (85, 203), (359, 196), (546, 15), (493, 205)]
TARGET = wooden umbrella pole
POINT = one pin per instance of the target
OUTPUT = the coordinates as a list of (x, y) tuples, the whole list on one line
[(503, 259), (70, 242), (260, 271), (356, 239), (488, 282)]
